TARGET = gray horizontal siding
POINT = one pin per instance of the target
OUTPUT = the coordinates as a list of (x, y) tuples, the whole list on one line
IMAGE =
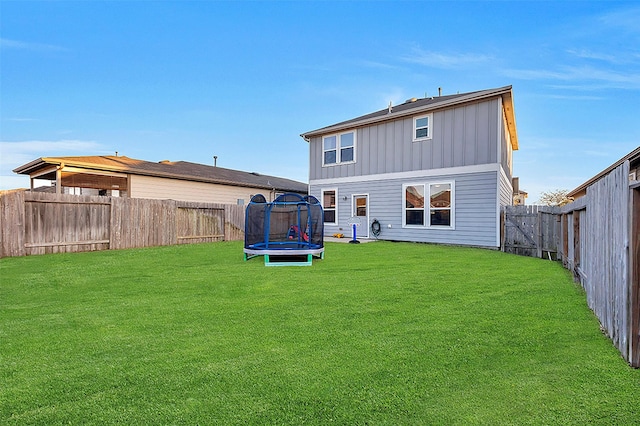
[(476, 219), (462, 136), (506, 191)]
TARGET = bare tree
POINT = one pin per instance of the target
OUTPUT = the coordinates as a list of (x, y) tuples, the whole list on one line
[(556, 197)]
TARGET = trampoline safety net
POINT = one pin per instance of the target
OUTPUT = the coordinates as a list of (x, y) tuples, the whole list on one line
[(290, 225)]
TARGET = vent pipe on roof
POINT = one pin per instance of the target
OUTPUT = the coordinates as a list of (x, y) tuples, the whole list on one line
[(439, 91), (390, 107), (215, 161)]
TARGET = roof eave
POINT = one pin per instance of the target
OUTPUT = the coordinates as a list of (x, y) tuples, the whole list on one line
[(507, 104), (28, 168)]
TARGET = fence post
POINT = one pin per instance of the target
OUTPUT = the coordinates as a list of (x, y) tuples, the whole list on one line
[(12, 223), (539, 234)]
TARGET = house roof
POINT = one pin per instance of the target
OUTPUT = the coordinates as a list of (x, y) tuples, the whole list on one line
[(167, 169), (416, 106), (581, 190)]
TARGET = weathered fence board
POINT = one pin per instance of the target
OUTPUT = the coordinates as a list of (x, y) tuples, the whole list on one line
[(234, 222), (199, 224), (597, 237), (531, 231), (12, 222), (39, 223), (603, 253), (634, 291), (64, 224)]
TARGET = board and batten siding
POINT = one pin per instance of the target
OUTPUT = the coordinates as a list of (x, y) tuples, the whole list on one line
[(476, 212), (462, 136), (182, 190)]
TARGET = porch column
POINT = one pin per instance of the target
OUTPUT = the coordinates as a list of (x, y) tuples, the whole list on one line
[(59, 180)]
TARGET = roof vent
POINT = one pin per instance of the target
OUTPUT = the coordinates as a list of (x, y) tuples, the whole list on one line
[(410, 101), (255, 173), (164, 161)]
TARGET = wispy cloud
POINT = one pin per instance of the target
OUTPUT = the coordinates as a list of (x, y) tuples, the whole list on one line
[(15, 154), (582, 77), (20, 119), (445, 60), (25, 45), (378, 65), (589, 54), (572, 97), (627, 19)]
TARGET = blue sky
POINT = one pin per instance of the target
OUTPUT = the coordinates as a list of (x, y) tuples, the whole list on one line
[(242, 80)]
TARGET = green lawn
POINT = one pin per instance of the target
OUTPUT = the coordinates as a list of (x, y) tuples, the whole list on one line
[(383, 333)]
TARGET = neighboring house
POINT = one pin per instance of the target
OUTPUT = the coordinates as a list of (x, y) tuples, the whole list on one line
[(429, 170), (180, 180), (519, 196)]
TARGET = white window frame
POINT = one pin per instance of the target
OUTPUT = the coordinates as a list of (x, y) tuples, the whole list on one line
[(324, 150), (404, 206), (427, 205), (429, 126), (335, 208), (451, 207), (338, 149)]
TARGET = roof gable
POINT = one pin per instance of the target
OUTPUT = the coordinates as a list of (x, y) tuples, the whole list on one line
[(417, 106)]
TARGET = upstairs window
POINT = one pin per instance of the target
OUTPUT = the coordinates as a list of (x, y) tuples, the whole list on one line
[(329, 150), (346, 147), (337, 149), (422, 127)]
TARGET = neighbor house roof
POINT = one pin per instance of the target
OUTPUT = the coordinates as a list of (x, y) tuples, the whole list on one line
[(417, 106), (167, 169), (580, 191)]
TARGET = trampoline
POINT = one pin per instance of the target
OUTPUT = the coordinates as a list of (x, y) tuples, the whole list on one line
[(287, 232)]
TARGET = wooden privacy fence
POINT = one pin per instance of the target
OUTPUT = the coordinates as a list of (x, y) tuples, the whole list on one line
[(597, 238), (531, 231), (38, 223)]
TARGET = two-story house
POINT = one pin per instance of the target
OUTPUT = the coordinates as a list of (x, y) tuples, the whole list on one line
[(429, 170)]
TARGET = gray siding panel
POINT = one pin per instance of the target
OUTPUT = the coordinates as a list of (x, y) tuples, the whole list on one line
[(462, 136), (483, 133), (458, 137), (470, 135), (407, 148), (381, 139), (448, 135), (389, 156), (476, 216)]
